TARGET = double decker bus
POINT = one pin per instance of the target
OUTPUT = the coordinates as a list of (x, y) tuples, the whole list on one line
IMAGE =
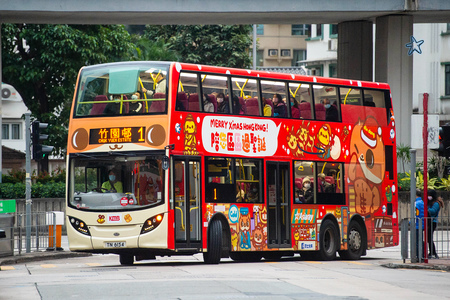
[(177, 159)]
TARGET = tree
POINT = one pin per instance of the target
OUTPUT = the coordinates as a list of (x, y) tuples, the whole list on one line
[(42, 63), (404, 154), (153, 50), (221, 45)]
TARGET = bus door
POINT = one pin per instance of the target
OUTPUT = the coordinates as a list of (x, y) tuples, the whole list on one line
[(187, 187), (277, 176)]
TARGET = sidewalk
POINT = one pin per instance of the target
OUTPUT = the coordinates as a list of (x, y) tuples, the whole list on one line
[(42, 255)]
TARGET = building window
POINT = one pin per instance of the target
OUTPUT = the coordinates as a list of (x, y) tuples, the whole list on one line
[(286, 52), (448, 27), (11, 131), (332, 70), (298, 55), (447, 80), (301, 29), (259, 58), (260, 29), (5, 131), (333, 30), (318, 30)]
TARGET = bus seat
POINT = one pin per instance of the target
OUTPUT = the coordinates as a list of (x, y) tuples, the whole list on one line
[(305, 110), (158, 106), (242, 103), (213, 100), (182, 100), (320, 111), (98, 108), (252, 107), (295, 112), (126, 105), (193, 104), (299, 183)]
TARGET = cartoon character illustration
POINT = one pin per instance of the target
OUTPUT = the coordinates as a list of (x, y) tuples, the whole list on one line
[(234, 240), (292, 139), (366, 169), (323, 144), (388, 191), (244, 231), (190, 138), (101, 219), (258, 240), (296, 237)]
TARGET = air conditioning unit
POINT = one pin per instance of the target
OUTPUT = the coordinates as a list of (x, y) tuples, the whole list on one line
[(273, 52), (332, 45)]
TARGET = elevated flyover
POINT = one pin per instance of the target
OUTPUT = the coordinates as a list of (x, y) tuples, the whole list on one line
[(393, 18)]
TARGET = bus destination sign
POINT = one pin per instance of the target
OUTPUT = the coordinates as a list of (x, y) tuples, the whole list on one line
[(117, 135)]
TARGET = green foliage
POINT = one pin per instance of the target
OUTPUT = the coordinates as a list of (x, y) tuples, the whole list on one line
[(14, 176), (220, 45), (404, 181), (38, 190), (153, 50), (444, 184), (42, 62), (404, 154)]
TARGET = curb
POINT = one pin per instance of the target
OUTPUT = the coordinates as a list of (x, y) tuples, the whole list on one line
[(38, 256), (417, 266)]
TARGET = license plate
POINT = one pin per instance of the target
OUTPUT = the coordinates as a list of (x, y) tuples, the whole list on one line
[(115, 244)]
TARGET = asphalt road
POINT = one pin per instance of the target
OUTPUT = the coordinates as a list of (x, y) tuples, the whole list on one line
[(102, 277)]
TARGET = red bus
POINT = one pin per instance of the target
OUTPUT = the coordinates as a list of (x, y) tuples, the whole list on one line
[(178, 159)]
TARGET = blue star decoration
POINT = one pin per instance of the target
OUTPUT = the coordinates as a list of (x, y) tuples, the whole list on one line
[(414, 45)]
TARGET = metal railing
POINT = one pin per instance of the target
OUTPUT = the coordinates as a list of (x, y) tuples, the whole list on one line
[(439, 238), (40, 237)]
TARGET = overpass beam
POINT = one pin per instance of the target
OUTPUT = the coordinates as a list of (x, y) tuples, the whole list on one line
[(394, 66), (355, 50)]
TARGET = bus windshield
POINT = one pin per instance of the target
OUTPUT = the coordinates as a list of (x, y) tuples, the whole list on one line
[(128, 89), (123, 182)]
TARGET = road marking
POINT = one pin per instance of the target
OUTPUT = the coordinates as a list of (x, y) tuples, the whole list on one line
[(93, 264), (6, 268), (314, 262), (48, 266), (359, 263)]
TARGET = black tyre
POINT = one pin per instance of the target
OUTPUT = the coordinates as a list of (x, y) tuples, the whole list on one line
[(356, 242), (329, 239), (214, 253), (126, 259), (245, 256)]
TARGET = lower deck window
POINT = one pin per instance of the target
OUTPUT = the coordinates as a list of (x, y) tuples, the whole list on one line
[(230, 180)]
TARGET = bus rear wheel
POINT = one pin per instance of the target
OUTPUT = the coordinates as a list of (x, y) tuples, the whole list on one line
[(328, 241), (126, 259), (356, 240), (214, 253)]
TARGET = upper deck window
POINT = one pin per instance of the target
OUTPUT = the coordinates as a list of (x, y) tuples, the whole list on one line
[(122, 89)]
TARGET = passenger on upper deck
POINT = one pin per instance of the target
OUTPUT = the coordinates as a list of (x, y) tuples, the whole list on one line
[(135, 106), (224, 107), (160, 83), (332, 112), (267, 109), (207, 104), (279, 108)]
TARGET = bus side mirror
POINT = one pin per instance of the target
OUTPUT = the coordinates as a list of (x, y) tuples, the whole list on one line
[(165, 163)]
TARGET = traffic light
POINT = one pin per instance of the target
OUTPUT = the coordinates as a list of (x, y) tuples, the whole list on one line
[(444, 140), (40, 151)]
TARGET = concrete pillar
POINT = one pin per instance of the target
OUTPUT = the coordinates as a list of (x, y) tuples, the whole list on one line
[(394, 66), (355, 58)]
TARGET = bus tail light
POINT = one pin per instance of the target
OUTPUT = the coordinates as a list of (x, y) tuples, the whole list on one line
[(151, 223), (79, 226)]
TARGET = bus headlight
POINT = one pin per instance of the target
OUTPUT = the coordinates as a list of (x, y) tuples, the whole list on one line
[(151, 223), (79, 225)]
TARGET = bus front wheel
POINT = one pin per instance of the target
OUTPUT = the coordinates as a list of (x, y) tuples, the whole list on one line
[(356, 240), (328, 240), (126, 259), (214, 253)]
